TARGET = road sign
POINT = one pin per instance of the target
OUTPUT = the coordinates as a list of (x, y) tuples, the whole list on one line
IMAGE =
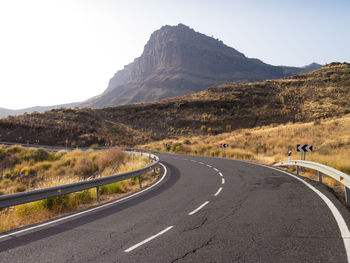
[(304, 148), (224, 145)]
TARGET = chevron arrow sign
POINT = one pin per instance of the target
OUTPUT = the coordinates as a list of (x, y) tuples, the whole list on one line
[(224, 145), (304, 148)]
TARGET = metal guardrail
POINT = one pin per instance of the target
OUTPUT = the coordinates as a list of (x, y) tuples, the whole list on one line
[(35, 195), (322, 169)]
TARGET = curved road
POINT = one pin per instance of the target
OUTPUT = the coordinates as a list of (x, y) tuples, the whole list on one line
[(204, 210)]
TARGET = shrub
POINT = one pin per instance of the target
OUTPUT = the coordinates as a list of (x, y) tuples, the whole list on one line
[(38, 155), (187, 141), (28, 171), (317, 122), (43, 165), (20, 188)]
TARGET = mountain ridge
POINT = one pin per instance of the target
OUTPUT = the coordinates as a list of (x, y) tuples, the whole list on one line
[(322, 93), (177, 61)]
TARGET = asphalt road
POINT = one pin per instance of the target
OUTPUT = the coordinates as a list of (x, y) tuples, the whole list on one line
[(204, 210)]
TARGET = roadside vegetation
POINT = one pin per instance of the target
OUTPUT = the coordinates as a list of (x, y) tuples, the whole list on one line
[(269, 144), (23, 169)]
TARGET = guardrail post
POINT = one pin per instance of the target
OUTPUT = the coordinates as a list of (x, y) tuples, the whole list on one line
[(319, 176), (140, 181), (347, 194), (98, 193), (297, 170)]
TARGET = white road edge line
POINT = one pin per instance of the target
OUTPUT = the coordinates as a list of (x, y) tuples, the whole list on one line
[(216, 169), (221, 174), (148, 239), (199, 208), (218, 192), (223, 180), (87, 211), (344, 230)]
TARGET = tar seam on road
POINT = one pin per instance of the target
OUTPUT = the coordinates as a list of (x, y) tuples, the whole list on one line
[(218, 192), (89, 210), (344, 230), (148, 239), (199, 208)]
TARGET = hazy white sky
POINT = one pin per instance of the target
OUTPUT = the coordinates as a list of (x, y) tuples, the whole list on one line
[(61, 51)]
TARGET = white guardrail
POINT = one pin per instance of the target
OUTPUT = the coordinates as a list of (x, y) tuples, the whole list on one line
[(44, 193), (322, 169)]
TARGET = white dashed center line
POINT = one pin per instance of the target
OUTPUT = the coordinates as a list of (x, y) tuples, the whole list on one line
[(222, 180), (216, 169), (218, 192), (221, 174), (209, 165), (199, 208), (148, 239)]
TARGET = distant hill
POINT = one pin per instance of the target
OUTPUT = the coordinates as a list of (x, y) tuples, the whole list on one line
[(306, 97), (7, 112), (177, 61)]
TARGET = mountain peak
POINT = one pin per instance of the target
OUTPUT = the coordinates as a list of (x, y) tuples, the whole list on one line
[(177, 60)]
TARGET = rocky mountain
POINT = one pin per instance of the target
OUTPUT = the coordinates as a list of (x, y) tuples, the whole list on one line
[(177, 61), (306, 97)]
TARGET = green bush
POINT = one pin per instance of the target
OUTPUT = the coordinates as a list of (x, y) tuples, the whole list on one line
[(38, 155)]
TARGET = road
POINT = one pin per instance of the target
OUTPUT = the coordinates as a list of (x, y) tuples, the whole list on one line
[(203, 210)]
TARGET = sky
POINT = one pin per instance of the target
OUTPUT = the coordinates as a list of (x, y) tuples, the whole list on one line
[(61, 51)]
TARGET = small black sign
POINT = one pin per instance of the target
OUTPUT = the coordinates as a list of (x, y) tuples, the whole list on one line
[(304, 148), (224, 145)]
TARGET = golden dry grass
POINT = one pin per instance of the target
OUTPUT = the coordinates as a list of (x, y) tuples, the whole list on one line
[(269, 144), (68, 168)]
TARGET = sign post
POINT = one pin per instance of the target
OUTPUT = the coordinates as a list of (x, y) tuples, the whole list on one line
[(224, 146), (303, 148)]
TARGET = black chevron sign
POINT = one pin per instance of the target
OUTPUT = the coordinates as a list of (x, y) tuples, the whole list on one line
[(224, 145), (304, 148)]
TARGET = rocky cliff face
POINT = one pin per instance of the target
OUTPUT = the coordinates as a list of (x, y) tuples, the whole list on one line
[(177, 61)]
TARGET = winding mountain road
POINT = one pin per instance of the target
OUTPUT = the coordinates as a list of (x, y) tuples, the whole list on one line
[(202, 210)]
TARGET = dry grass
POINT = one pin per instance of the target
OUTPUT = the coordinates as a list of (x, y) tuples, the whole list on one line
[(63, 168), (269, 144)]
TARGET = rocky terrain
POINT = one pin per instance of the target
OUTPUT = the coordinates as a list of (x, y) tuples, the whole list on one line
[(306, 97), (178, 60)]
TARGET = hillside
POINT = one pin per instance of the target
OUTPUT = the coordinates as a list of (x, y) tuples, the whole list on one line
[(306, 97), (178, 60), (7, 112)]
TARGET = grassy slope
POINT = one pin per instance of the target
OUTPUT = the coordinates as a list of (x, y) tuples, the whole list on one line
[(24, 169), (306, 97), (268, 144)]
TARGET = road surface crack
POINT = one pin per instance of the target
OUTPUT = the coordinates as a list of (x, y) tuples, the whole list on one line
[(193, 251), (198, 226)]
